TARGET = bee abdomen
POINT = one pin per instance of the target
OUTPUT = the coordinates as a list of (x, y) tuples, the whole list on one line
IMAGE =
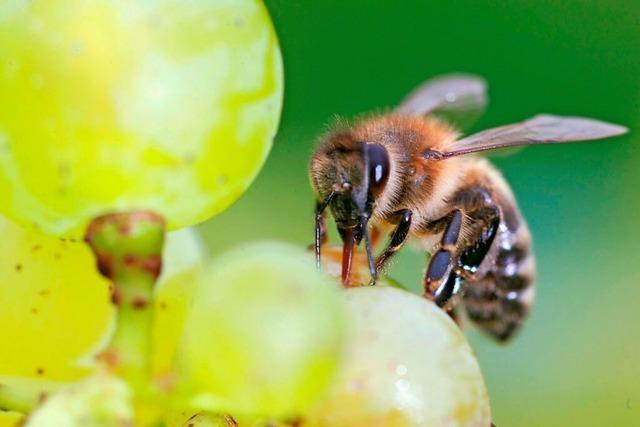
[(500, 301)]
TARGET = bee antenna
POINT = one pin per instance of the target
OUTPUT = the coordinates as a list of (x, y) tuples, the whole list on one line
[(320, 208)]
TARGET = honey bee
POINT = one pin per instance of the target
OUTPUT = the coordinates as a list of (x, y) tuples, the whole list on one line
[(410, 173)]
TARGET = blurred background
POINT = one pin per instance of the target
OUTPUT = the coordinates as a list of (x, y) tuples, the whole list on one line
[(576, 361)]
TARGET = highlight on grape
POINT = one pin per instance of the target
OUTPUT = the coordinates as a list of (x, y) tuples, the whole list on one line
[(123, 123)]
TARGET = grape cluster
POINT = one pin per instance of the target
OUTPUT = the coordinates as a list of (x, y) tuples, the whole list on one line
[(165, 111)]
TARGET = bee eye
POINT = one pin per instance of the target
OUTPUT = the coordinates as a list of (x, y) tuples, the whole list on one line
[(378, 164)]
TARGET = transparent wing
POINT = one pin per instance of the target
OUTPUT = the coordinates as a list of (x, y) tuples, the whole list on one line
[(458, 98), (542, 129)]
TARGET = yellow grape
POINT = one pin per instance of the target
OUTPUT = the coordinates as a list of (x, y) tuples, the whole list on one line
[(263, 334), (208, 420), (407, 364), (113, 105), (55, 307), (98, 401), (204, 419), (11, 419), (184, 255)]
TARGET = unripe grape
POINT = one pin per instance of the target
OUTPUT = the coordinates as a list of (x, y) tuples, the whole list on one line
[(112, 105), (11, 418), (407, 364), (98, 401), (55, 306), (263, 334), (184, 256), (209, 420)]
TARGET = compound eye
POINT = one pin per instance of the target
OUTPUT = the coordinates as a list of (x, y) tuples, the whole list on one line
[(378, 163)]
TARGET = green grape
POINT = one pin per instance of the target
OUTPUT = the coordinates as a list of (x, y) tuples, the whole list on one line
[(209, 419), (204, 419), (98, 401), (184, 255), (55, 306), (11, 419), (407, 364), (114, 105), (263, 334)]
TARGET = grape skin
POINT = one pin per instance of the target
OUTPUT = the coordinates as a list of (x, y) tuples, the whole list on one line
[(57, 308), (167, 106), (407, 364), (263, 335)]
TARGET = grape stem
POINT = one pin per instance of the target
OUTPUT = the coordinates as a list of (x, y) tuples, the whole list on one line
[(128, 251)]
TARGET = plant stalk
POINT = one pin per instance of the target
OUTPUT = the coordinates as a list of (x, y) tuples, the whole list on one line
[(128, 250)]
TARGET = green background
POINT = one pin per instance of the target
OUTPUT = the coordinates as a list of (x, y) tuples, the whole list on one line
[(577, 361)]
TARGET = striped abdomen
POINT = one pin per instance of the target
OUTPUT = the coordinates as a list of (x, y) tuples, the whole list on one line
[(500, 299)]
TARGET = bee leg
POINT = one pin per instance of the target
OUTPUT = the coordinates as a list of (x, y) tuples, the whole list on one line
[(472, 255), (321, 227), (441, 281), (398, 237), (370, 260)]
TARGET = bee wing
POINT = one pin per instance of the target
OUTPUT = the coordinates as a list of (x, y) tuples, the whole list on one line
[(541, 129), (458, 98)]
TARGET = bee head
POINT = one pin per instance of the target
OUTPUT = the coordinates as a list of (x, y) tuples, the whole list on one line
[(348, 178), (353, 177)]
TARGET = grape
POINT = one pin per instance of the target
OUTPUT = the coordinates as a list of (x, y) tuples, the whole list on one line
[(56, 307), (204, 419), (99, 401), (263, 334), (407, 364), (113, 105), (10, 419), (183, 255), (209, 420)]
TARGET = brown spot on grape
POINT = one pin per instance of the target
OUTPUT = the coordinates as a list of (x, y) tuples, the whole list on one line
[(116, 296), (294, 422), (139, 303), (40, 371), (105, 264), (163, 305), (44, 292), (129, 260), (35, 248), (124, 229), (109, 357), (152, 265), (42, 397), (34, 310), (18, 267)]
